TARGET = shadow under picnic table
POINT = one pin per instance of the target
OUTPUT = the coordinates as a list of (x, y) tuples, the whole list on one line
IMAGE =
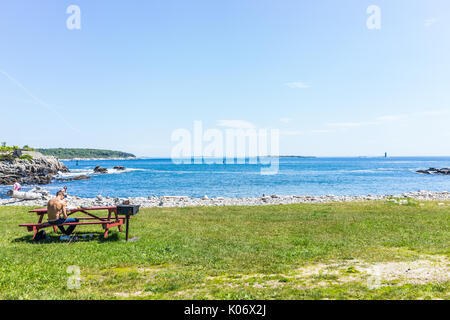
[(75, 237)]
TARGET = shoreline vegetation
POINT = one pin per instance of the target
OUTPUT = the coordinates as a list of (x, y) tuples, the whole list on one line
[(358, 250)]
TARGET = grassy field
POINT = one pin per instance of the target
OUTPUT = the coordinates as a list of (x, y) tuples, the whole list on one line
[(369, 250)]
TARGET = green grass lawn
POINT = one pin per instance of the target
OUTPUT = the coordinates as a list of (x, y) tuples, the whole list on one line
[(310, 251)]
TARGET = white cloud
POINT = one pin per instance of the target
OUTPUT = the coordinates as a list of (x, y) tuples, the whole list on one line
[(236, 124), (388, 118), (301, 133), (320, 131), (393, 117), (433, 112), (292, 132), (297, 85), (429, 22), (351, 124), (286, 120)]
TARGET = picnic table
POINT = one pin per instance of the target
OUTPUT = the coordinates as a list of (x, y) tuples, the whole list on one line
[(112, 220)]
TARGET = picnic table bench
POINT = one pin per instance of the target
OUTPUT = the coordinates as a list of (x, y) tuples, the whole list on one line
[(107, 222)]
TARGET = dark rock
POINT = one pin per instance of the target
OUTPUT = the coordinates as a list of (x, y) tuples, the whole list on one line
[(17, 153), (82, 177), (77, 178), (99, 169), (444, 171)]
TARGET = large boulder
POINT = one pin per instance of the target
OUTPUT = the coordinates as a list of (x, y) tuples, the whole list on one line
[(24, 195), (36, 193), (99, 169)]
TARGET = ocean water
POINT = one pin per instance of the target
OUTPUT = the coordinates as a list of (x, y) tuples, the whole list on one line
[(296, 176)]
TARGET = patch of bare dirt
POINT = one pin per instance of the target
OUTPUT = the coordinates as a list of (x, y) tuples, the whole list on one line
[(434, 270), (428, 269)]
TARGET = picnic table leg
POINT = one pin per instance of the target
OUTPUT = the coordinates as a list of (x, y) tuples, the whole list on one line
[(35, 232), (41, 216), (106, 231), (54, 229), (127, 227), (117, 219)]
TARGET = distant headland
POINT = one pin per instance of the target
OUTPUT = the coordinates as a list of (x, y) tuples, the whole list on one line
[(80, 153)]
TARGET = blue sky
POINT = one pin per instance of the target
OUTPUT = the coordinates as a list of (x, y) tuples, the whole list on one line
[(138, 70)]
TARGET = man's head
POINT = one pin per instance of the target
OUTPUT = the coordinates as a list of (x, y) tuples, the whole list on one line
[(60, 194)]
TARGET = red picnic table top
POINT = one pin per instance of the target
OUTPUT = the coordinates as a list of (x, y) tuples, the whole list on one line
[(44, 210)]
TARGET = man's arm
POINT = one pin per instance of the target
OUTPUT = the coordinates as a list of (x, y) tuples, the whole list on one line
[(64, 209)]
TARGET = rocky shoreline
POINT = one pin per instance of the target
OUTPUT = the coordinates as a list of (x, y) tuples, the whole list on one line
[(38, 170), (183, 201)]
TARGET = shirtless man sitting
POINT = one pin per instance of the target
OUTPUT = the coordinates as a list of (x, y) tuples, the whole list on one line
[(57, 207)]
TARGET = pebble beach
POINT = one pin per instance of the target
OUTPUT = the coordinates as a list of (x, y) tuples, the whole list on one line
[(184, 201)]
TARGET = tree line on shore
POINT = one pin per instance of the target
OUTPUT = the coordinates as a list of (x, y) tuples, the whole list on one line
[(67, 153), (70, 153)]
